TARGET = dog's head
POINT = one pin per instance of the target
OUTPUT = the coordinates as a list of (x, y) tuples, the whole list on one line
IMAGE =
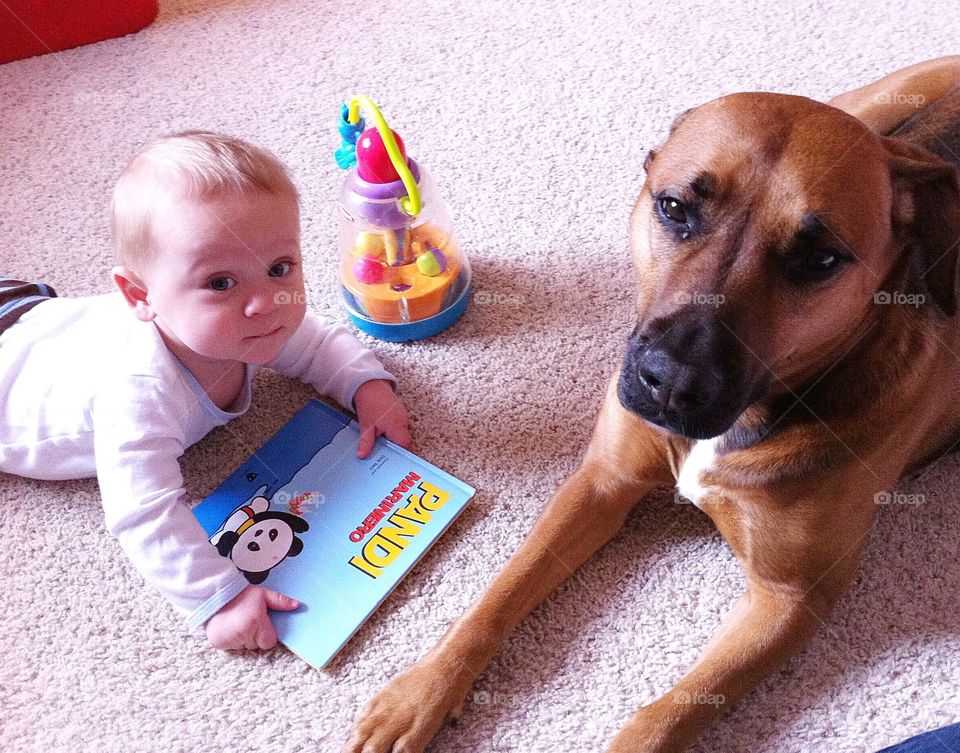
[(767, 234)]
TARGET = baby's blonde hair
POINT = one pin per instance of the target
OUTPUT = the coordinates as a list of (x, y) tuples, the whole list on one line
[(196, 163)]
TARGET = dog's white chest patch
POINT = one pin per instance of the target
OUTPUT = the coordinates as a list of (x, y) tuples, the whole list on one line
[(701, 457)]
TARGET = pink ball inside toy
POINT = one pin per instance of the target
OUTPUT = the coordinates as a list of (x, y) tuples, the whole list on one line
[(369, 271), (373, 161)]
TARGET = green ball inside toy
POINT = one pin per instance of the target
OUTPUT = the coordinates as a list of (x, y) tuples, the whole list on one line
[(428, 264)]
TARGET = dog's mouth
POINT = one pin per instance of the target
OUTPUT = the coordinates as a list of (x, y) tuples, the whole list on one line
[(705, 424), (715, 407)]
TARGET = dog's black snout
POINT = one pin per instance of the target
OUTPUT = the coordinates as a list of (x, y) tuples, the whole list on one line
[(687, 373), (674, 384)]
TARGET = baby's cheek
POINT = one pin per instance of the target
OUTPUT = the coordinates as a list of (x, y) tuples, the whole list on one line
[(226, 327), (216, 335), (298, 310)]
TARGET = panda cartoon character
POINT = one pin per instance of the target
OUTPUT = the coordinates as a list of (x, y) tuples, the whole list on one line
[(257, 539)]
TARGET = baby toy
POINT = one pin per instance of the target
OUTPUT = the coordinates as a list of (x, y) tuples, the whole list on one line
[(403, 275)]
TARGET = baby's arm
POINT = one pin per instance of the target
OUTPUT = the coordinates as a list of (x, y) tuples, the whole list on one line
[(336, 364), (138, 442)]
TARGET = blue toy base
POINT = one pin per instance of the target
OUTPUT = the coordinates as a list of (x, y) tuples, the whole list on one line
[(398, 333)]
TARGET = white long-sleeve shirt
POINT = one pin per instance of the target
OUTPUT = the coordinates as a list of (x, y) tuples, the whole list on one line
[(86, 389)]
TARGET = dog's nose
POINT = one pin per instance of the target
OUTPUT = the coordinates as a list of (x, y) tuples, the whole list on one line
[(676, 385), (688, 373)]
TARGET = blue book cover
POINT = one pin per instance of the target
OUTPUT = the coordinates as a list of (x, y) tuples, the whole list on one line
[(304, 516)]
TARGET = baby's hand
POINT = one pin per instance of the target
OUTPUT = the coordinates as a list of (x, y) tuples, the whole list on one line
[(380, 411), (244, 623)]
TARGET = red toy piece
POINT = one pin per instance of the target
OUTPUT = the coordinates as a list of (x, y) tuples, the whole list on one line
[(373, 161), (369, 271), (35, 27)]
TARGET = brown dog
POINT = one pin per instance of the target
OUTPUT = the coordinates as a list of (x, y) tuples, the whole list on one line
[(795, 354)]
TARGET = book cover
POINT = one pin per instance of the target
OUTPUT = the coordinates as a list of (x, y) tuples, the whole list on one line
[(304, 516)]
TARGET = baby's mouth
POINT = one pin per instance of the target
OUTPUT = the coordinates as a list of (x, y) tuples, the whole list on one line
[(270, 333)]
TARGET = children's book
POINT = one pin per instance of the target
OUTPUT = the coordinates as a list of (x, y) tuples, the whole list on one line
[(304, 516)]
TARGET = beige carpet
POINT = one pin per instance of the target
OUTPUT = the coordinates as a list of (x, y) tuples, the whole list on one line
[(535, 118)]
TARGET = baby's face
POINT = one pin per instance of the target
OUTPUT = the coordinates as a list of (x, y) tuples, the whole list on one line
[(226, 283)]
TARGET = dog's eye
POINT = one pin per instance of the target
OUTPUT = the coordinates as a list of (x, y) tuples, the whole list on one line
[(673, 210), (825, 259), (814, 266)]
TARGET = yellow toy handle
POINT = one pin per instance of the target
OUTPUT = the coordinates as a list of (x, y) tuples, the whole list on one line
[(411, 204)]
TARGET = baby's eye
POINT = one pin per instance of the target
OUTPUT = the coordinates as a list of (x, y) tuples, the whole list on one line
[(221, 283), (280, 269)]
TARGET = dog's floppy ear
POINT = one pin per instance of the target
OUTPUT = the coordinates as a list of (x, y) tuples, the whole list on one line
[(926, 216)]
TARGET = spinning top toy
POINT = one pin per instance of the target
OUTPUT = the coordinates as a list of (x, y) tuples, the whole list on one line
[(403, 275)]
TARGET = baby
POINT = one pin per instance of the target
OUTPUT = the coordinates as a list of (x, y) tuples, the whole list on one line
[(207, 235)]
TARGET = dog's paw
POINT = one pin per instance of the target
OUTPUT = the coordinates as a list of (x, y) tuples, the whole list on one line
[(405, 715)]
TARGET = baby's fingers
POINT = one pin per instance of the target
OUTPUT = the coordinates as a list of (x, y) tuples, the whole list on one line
[(266, 635), (368, 435), (400, 435)]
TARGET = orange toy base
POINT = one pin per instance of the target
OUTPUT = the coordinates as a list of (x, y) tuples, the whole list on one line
[(419, 296)]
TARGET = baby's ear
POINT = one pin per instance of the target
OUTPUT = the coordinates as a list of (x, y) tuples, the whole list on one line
[(134, 292)]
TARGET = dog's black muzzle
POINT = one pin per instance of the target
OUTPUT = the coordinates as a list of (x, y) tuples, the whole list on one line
[(686, 373)]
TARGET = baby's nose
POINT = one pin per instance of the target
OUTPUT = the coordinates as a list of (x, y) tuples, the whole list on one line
[(258, 303)]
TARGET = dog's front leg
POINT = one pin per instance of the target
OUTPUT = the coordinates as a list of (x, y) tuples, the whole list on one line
[(624, 461), (763, 630), (794, 580)]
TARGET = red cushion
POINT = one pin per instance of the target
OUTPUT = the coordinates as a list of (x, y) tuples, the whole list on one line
[(35, 27)]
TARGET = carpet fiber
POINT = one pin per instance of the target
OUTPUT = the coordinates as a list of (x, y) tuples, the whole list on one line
[(535, 119)]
